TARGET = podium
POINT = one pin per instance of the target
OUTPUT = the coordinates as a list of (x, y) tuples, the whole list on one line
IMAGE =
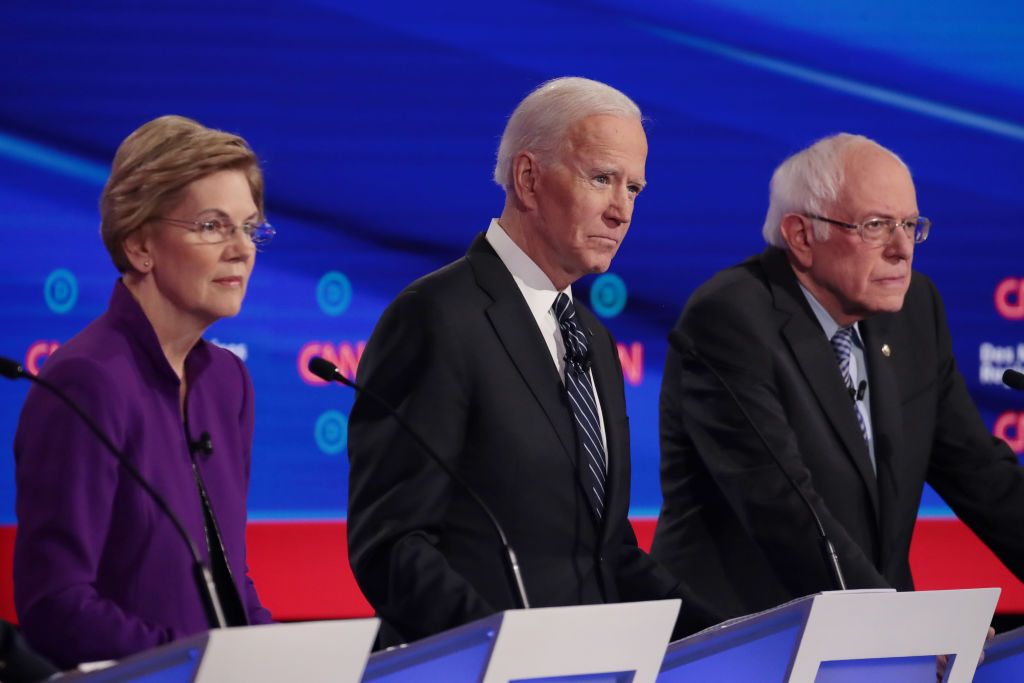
[(621, 643), (842, 637), (323, 651), (1004, 659)]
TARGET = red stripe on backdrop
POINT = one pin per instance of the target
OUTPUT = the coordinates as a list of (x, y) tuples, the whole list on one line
[(301, 568), (6, 563)]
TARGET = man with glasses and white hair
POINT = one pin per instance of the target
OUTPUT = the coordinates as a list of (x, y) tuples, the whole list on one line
[(516, 387), (828, 358)]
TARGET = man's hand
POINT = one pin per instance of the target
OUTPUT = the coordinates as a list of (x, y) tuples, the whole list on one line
[(942, 661)]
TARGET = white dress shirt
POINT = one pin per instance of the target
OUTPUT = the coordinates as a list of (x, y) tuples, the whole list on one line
[(540, 294)]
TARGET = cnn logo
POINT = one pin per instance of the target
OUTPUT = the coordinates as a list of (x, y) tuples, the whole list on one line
[(1009, 427), (1009, 298)]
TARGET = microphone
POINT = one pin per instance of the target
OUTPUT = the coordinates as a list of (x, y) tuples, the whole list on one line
[(581, 363), (11, 369), (329, 372), (203, 446), (201, 573), (827, 548), (858, 393), (1013, 379)]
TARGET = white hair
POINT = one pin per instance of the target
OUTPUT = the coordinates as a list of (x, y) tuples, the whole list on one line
[(810, 182), (539, 123)]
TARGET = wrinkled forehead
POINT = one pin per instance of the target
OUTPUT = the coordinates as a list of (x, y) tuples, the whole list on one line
[(604, 133), (875, 182)]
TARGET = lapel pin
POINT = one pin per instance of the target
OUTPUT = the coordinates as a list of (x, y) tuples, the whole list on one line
[(886, 351)]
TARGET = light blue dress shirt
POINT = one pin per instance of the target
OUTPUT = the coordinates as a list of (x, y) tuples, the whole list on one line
[(858, 366)]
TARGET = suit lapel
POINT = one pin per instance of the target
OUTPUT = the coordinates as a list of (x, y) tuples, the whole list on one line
[(817, 361), (516, 328), (886, 418)]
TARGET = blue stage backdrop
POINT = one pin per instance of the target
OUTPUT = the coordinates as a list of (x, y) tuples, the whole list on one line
[(378, 124)]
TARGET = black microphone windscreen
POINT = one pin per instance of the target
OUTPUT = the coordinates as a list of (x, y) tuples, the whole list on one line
[(1014, 379), (324, 369), (10, 369), (862, 389)]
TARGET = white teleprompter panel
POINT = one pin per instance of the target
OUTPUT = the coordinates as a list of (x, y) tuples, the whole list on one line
[(327, 651), (312, 652), (873, 625), (565, 641)]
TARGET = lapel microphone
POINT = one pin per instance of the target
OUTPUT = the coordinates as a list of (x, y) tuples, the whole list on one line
[(203, 446), (581, 363), (858, 394)]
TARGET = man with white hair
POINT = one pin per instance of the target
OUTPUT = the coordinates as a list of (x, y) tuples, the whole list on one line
[(518, 389), (820, 374)]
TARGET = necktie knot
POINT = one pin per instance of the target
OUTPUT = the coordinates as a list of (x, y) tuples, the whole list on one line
[(576, 344)]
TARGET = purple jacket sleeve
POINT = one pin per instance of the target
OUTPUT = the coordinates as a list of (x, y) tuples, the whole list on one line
[(66, 489)]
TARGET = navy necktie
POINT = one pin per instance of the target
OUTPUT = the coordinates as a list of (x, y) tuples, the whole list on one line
[(591, 455), (842, 345)]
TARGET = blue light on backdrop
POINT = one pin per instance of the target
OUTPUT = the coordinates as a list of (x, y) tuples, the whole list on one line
[(378, 124)]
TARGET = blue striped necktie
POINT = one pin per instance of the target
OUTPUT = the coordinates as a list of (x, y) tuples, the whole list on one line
[(591, 456), (842, 345)]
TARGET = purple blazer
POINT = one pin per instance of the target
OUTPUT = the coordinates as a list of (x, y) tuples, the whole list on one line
[(99, 571)]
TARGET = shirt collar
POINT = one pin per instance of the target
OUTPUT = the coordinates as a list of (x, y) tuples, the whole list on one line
[(126, 313), (538, 290), (828, 324)]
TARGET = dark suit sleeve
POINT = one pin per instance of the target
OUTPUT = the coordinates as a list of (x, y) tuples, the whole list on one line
[(975, 473), (730, 407), (640, 577), (397, 495)]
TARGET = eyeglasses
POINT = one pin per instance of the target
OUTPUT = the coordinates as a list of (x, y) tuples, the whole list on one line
[(215, 230), (879, 231)]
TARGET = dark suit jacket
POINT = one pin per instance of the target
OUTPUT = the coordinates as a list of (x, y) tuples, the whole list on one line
[(461, 357), (733, 527)]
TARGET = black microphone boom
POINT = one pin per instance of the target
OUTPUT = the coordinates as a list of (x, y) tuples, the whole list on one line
[(329, 372), (201, 573), (827, 548)]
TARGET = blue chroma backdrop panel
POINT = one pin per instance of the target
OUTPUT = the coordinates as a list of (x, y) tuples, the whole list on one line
[(378, 123)]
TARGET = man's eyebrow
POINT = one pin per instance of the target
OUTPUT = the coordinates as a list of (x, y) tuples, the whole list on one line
[(612, 171)]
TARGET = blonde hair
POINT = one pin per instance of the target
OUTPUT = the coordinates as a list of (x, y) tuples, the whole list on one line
[(155, 163)]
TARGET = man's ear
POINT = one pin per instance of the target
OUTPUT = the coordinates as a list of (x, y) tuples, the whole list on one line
[(796, 231), (137, 249), (525, 171)]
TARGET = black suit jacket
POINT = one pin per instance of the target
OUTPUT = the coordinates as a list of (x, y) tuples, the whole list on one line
[(733, 527), (461, 357)]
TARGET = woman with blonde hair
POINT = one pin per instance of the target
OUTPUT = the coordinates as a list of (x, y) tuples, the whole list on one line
[(99, 571)]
